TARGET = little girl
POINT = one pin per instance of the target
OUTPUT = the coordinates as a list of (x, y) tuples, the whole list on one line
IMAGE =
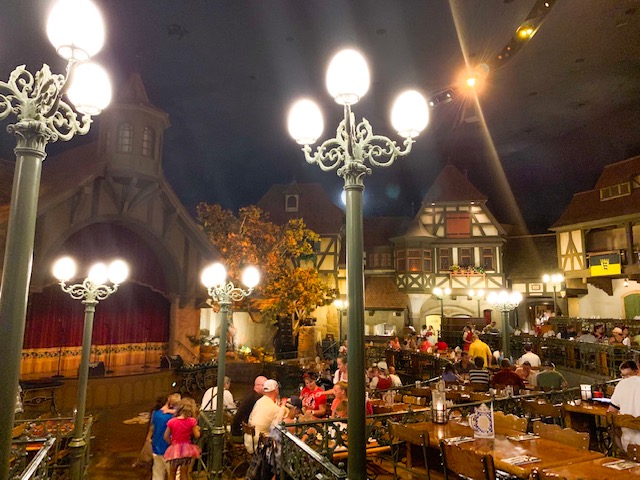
[(181, 451)]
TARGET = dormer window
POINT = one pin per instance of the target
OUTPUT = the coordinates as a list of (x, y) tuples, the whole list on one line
[(125, 138), (615, 191), (148, 142), (291, 203)]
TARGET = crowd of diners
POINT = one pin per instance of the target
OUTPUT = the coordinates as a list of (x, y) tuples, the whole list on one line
[(324, 393)]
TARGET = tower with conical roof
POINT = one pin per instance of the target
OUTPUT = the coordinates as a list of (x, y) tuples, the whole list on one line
[(131, 133)]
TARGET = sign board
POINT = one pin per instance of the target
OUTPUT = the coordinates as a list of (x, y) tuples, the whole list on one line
[(605, 264)]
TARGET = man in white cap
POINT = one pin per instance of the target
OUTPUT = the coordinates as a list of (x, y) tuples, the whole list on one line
[(266, 412)]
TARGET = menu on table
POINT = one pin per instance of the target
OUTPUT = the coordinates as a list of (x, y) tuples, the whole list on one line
[(458, 440), (521, 460), (621, 464)]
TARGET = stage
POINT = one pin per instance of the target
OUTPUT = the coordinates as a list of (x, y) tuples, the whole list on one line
[(124, 385)]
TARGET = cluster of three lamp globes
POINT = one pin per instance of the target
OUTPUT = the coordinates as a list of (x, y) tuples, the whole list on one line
[(76, 30), (347, 82), (215, 275), (64, 269)]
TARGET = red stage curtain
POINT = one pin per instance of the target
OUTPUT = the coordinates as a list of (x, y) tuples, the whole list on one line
[(138, 312), (134, 314)]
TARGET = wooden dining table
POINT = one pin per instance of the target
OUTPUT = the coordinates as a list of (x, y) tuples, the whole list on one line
[(501, 447), (593, 470), (588, 417)]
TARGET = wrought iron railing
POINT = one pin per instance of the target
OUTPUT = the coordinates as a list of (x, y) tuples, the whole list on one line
[(38, 468), (58, 430)]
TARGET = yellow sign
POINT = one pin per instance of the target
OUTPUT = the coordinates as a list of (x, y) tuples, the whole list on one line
[(603, 265)]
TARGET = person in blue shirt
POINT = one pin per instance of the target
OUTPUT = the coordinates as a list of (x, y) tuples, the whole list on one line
[(157, 427)]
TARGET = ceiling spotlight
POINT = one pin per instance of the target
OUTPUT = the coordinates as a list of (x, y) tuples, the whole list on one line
[(525, 31), (471, 82)]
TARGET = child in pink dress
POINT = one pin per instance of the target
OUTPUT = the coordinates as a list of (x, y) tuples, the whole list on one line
[(180, 429)]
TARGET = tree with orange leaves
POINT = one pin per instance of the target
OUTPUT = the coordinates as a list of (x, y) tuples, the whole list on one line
[(291, 286)]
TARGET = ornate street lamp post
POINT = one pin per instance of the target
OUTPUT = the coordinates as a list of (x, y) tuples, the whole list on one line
[(555, 280), (92, 289), (479, 296), (441, 294), (224, 294), (76, 30), (505, 302), (341, 306), (354, 144)]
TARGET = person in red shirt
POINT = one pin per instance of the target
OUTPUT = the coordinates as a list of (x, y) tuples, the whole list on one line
[(313, 397), (441, 346), (506, 376), (467, 337)]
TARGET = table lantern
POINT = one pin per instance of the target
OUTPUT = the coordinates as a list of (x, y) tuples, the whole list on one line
[(439, 407), (585, 392)]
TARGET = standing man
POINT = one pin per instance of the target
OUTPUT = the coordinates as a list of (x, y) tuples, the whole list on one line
[(480, 349), (157, 428), (246, 405), (626, 400), (529, 356)]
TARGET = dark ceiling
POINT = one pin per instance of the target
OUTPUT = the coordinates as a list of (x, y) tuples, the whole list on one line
[(557, 109)]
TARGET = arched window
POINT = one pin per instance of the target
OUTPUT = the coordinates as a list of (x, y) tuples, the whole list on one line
[(148, 142), (125, 138), (291, 203)]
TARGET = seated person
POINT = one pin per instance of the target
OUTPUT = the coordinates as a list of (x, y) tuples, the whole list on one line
[(549, 379), (506, 376), (395, 379), (314, 401), (441, 346), (395, 344), (491, 328), (528, 375), (449, 374), (425, 346), (340, 392), (479, 375), (464, 365), (382, 380)]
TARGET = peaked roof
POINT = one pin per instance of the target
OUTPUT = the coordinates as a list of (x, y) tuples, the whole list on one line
[(133, 92), (320, 214), (587, 207), (530, 256), (382, 293), (378, 230), (452, 186)]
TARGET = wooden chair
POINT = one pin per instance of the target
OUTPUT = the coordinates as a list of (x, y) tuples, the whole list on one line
[(409, 436), (545, 412), (479, 387), (466, 463), (567, 436), (250, 430), (509, 422), (616, 422)]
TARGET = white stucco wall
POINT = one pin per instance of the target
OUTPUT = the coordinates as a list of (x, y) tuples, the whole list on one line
[(597, 304)]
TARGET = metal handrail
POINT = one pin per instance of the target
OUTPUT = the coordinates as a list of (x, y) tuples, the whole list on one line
[(39, 463)]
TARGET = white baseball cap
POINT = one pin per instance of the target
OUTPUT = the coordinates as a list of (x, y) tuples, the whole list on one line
[(270, 386)]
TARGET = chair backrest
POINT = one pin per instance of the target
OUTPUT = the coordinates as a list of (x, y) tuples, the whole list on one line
[(479, 387), (568, 436), (633, 452), (626, 421), (466, 462), (408, 434), (250, 430), (509, 422), (543, 410)]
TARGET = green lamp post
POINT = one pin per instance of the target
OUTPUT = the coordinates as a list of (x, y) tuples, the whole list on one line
[(505, 302), (93, 289), (354, 144), (76, 30), (224, 294)]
